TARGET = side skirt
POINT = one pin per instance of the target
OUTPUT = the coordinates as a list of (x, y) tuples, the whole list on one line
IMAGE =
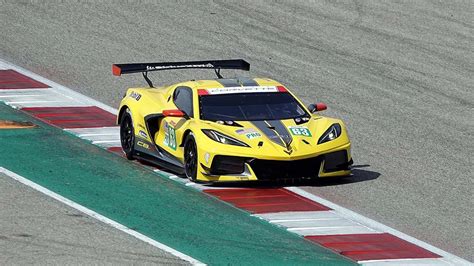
[(154, 155)]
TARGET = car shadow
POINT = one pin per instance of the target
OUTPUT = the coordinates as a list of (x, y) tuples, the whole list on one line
[(358, 175)]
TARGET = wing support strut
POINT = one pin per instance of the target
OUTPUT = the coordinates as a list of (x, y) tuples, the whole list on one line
[(145, 76)]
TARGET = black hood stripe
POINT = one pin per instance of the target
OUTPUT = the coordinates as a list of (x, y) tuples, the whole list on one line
[(262, 126), (228, 82), (275, 130), (248, 82), (237, 82), (280, 128)]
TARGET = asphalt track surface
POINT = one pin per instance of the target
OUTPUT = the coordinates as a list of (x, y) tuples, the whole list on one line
[(399, 74), (31, 239)]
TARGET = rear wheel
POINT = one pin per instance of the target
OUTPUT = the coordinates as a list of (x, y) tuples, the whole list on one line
[(127, 135), (190, 158)]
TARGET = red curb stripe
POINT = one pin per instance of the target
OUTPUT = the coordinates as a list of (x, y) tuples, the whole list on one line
[(73, 117), (372, 246), (265, 200), (57, 115), (10, 79), (117, 150), (242, 197)]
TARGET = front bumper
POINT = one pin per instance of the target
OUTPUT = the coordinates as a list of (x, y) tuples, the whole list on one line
[(226, 168)]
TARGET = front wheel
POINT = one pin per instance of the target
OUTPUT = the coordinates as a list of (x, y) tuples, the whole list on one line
[(127, 135), (190, 157)]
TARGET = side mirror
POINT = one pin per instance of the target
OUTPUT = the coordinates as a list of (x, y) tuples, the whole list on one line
[(173, 113), (316, 107)]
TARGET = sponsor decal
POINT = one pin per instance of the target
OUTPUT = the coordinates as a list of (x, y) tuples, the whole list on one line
[(135, 96), (300, 131), (142, 134), (170, 136), (250, 133), (209, 65), (143, 144), (247, 89)]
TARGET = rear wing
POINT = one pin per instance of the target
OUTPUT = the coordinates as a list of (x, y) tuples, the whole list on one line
[(144, 68), (119, 69)]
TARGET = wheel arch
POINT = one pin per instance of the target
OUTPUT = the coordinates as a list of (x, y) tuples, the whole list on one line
[(185, 135), (120, 114)]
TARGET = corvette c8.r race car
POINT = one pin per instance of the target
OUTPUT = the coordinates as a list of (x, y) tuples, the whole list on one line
[(222, 130)]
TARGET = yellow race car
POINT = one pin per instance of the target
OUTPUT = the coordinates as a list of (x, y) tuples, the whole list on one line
[(223, 130)]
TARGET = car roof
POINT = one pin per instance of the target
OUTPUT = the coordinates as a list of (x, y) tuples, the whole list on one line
[(228, 82)]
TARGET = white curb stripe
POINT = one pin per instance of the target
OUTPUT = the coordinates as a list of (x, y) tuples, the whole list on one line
[(316, 223), (379, 227), (100, 217), (95, 130), (107, 141), (105, 137), (19, 98), (412, 262), (99, 134), (66, 92), (19, 95)]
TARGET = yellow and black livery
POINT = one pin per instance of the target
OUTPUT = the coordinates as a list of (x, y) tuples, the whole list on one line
[(223, 130)]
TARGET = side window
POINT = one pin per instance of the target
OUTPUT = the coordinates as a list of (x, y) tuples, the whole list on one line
[(183, 99)]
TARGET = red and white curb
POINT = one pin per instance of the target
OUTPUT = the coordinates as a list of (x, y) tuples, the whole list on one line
[(318, 220)]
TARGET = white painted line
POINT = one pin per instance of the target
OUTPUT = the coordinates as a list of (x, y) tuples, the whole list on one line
[(379, 227), (3, 66), (100, 217)]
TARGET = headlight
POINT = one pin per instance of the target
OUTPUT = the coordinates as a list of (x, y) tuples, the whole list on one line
[(333, 132), (224, 139)]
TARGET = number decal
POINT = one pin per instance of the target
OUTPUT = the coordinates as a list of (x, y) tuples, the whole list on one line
[(170, 136), (300, 131)]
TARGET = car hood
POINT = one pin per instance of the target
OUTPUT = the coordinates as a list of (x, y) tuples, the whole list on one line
[(279, 137)]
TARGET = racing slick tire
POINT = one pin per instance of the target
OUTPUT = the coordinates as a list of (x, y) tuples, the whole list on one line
[(127, 134), (190, 157)]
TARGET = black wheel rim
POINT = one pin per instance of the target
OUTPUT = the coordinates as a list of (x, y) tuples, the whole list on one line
[(126, 134), (190, 159)]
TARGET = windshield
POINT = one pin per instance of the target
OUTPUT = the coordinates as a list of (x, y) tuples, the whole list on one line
[(250, 106)]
